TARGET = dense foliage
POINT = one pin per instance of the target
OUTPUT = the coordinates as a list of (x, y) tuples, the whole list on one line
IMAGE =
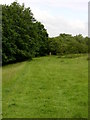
[(0, 35), (68, 44), (23, 36)]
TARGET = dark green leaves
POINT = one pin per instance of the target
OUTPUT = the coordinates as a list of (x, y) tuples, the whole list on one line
[(22, 37)]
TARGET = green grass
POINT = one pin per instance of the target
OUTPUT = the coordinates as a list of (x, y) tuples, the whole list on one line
[(46, 87), (0, 93)]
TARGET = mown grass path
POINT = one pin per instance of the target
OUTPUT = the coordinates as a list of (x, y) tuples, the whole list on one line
[(46, 87)]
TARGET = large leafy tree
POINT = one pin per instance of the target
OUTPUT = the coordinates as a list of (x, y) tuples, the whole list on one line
[(23, 36), (0, 35), (42, 37)]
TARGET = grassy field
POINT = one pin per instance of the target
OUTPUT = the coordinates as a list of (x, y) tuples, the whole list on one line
[(46, 87), (0, 93)]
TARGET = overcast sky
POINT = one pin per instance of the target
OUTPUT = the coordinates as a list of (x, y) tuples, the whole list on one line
[(59, 16)]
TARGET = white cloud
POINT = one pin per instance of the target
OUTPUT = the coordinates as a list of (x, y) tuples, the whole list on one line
[(60, 23)]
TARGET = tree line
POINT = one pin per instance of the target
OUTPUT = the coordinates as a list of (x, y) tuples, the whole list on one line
[(68, 44), (23, 37), (0, 35)]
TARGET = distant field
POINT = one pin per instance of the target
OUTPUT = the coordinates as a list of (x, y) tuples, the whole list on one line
[(46, 87)]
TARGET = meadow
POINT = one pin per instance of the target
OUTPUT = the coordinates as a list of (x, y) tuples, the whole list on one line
[(46, 87), (0, 93)]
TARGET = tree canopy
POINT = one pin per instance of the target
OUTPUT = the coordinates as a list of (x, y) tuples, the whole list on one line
[(68, 44), (23, 37)]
